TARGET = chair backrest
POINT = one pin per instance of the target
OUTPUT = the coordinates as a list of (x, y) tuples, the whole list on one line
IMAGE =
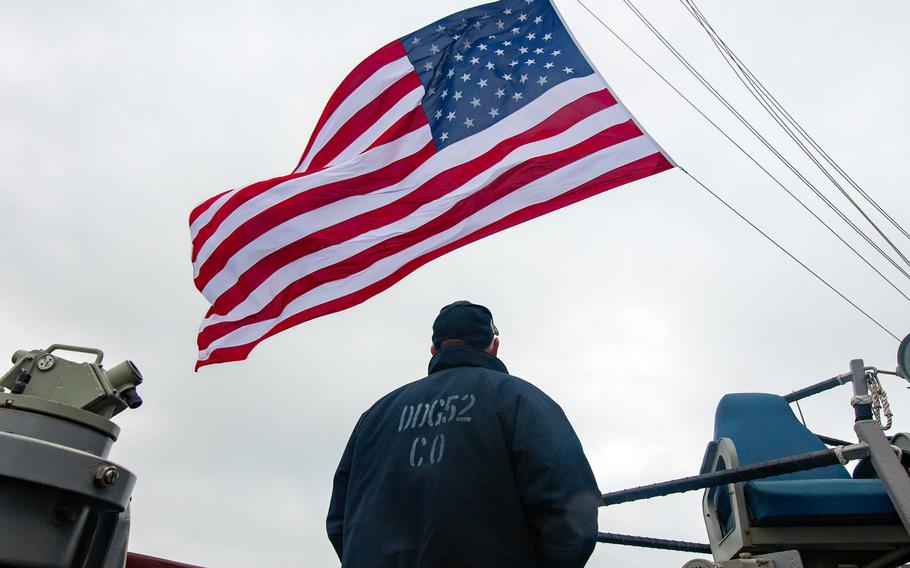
[(763, 428)]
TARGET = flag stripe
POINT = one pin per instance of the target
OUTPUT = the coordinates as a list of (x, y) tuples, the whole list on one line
[(203, 207), (406, 124), (258, 236), (406, 89), (379, 125), (460, 152), (380, 70), (204, 214), (229, 203), (639, 169), (585, 117), (246, 204), (360, 97), (307, 195), (366, 69), (580, 175), (374, 247)]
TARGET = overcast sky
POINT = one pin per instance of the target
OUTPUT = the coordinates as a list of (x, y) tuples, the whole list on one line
[(635, 310)]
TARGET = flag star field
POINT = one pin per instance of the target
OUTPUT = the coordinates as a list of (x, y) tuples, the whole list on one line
[(482, 64)]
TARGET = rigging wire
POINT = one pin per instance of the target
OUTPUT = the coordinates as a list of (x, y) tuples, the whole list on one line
[(801, 417), (788, 253), (705, 83), (740, 148), (780, 115), (727, 51)]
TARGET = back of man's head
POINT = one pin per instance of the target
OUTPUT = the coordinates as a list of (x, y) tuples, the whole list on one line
[(464, 323)]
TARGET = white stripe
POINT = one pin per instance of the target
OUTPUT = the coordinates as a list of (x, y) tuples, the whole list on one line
[(207, 215), (389, 73), (378, 82), (284, 276), (376, 159), (460, 152), (405, 105), (540, 190)]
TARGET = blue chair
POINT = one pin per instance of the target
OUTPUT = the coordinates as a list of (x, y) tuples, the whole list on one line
[(818, 511)]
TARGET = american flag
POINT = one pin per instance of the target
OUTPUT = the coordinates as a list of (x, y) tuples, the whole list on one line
[(480, 121)]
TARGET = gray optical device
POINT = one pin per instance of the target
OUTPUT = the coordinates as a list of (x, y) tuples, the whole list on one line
[(63, 504)]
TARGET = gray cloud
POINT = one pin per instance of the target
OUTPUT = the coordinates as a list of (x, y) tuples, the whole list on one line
[(636, 310)]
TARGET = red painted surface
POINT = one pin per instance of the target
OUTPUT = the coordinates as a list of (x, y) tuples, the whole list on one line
[(134, 560)]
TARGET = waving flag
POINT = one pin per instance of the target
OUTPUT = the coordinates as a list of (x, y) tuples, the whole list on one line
[(480, 121)]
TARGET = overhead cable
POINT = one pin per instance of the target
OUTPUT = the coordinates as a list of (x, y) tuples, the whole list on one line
[(788, 253), (696, 12), (705, 83), (741, 149), (790, 125)]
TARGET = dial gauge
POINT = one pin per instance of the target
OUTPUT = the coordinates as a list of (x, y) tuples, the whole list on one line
[(46, 362)]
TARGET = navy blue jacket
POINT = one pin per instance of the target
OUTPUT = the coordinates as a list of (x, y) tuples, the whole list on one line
[(470, 467)]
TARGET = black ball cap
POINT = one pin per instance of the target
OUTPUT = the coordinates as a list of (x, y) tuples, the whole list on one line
[(468, 322)]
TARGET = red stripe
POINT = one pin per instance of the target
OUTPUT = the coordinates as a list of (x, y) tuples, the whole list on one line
[(363, 71), (235, 201), (510, 181), (307, 201), (385, 55), (638, 169), (408, 123), (361, 121), (434, 188), (201, 208), (405, 125)]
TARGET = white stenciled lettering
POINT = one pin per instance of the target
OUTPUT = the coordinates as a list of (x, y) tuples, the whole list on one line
[(419, 450), (436, 412), (416, 416), (417, 440), (451, 408), (426, 414), (438, 447), (439, 415), (461, 415), (405, 417)]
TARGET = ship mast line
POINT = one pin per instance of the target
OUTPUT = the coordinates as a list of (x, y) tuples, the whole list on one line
[(782, 118), (761, 93), (788, 253), (767, 172), (705, 83)]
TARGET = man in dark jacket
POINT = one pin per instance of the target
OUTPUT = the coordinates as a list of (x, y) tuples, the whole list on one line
[(469, 466)]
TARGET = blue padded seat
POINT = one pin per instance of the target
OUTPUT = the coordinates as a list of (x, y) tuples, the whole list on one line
[(800, 502), (763, 428)]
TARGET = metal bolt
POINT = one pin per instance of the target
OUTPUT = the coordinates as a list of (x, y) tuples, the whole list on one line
[(106, 476)]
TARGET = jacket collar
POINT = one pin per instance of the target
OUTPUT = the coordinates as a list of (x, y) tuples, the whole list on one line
[(464, 356)]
